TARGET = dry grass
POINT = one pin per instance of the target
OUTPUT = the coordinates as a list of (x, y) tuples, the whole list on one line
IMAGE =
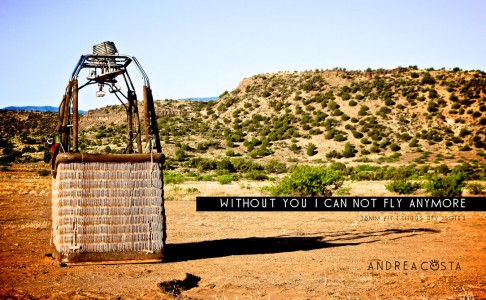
[(188, 190), (21, 182), (39, 224)]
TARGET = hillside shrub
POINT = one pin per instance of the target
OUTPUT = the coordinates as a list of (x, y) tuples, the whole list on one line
[(260, 152), (180, 155), (403, 186), (225, 179), (340, 137), (357, 134), (363, 111), (170, 177), (432, 106), (294, 148), (349, 150), (333, 154), (365, 141), (311, 149), (274, 166), (445, 186), (476, 114), (413, 143), (203, 164), (365, 151), (475, 188), (309, 181), (394, 147), (332, 105), (246, 165), (201, 147), (427, 79), (256, 175), (442, 169), (375, 149), (479, 144), (225, 164)]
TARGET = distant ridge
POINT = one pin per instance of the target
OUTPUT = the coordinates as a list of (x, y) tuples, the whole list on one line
[(201, 98), (36, 108)]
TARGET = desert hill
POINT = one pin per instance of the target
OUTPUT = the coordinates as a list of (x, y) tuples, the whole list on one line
[(346, 115), (398, 115)]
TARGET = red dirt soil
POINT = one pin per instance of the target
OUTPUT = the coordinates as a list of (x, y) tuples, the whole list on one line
[(271, 255)]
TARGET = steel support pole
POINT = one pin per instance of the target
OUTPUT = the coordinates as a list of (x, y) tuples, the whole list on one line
[(146, 113), (153, 121), (65, 119), (130, 121), (75, 115)]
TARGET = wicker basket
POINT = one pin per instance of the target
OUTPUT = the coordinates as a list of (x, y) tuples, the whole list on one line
[(108, 208)]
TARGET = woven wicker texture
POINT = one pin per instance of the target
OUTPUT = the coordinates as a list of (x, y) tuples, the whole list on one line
[(108, 207)]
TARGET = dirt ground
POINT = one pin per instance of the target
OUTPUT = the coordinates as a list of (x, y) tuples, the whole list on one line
[(271, 255)]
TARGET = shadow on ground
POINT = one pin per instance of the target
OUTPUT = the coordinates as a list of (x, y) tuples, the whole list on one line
[(281, 244)]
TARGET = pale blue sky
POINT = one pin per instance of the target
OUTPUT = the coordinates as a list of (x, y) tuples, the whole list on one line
[(202, 48)]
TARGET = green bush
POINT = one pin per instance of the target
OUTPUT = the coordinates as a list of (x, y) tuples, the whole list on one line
[(311, 149), (294, 148), (349, 150), (403, 186), (333, 154), (180, 155), (442, 169), (175, 178), (413, 143), (365, 141), (475, 188), (342, 191), (225, 179), (203, 164), (309, 181), (275, 166), (446, 186), (394, 147), (245, 165), (340, 137), (256, 175), (427, 79), (225, 164), (363, 111), (205, 177)]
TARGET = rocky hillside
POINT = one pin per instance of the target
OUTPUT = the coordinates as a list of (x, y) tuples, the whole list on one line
[(400, 116), (337, 114)]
